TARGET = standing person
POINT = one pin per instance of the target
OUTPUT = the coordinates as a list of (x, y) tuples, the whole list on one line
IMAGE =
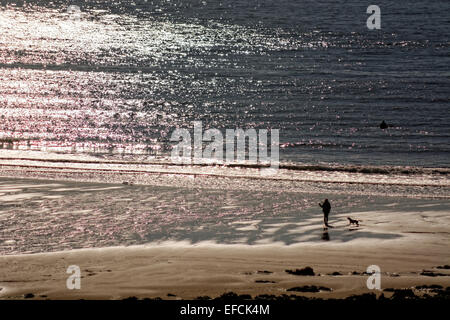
[(326, 208)]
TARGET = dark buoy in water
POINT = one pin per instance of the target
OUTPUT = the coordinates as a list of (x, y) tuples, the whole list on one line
[(383, 125)]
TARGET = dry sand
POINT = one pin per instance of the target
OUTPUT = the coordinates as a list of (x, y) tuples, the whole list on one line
[(188, 271)]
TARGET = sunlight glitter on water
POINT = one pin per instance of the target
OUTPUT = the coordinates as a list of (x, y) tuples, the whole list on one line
[(121, 77)]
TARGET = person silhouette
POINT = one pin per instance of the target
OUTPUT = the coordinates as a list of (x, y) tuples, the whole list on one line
[(383, 125), (326, 208)]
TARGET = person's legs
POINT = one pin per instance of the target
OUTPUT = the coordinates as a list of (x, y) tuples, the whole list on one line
[(325, 218)]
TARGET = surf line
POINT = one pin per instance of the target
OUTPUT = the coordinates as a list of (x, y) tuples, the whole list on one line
[(29, 169)]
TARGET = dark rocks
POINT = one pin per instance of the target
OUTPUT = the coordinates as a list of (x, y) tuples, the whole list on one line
[(403, 294), (227, 296), (308, 271), (398, 295), (233, 296), (28, 296), (203, 298), (309, 289), (442, 294), (266, 297), (264, 281), (432, 286), (432, 274), (439, 294), (356, 273), (335, 274), (366, 297), (285, 297), (171, 295), (265, 272), (382, 298), (443, 267)]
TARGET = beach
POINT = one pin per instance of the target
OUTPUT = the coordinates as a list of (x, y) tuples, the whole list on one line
[(120, 255), (135, 140)]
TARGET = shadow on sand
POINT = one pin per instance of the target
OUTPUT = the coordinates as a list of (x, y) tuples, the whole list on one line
[(287, 230)]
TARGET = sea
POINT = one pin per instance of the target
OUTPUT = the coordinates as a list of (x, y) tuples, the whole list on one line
[(92, 91)]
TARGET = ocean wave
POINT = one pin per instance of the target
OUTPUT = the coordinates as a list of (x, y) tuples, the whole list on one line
[(325, 178), (363, 169)]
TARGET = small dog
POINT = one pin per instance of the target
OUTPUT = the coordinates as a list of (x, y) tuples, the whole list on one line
[(353, 221)]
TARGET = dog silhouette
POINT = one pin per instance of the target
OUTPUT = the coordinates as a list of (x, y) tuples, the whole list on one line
[(353, 221)]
